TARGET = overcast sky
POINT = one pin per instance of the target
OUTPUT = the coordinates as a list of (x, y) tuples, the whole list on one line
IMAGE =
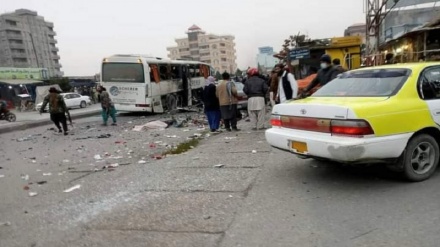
[(89, 30)]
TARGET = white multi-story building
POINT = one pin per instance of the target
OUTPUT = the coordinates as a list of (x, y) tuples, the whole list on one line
[(216, 50), (28, 41)]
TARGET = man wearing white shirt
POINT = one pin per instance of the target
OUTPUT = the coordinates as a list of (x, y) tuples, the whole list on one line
[(287, 87)]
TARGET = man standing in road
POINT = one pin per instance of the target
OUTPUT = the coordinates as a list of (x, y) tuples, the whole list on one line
[(325, 74), (256, 90), (108, 109), (227, 94), (287, 86)]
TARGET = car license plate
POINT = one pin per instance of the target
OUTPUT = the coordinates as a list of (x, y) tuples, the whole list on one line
[(299, 147)]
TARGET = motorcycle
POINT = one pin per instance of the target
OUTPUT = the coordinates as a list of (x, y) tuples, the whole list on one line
[(8, 116)]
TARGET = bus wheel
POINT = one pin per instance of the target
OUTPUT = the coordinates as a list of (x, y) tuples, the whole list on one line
[(171, 102)]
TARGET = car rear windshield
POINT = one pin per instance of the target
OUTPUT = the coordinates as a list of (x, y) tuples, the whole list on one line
[(123, 72), (365, 83)]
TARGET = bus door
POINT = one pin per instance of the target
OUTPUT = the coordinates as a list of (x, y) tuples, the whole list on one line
[(186, 79)]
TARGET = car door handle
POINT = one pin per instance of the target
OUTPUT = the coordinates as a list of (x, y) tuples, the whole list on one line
[(437, 113)]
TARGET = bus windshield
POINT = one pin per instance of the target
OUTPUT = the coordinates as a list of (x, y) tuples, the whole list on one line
[(123, 72)]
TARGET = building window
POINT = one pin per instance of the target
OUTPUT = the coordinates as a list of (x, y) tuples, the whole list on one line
[(204, 47), (222, 44), (214, 47), (184, 49), (193, 46), (203, 41), (224, 60), (11, 22), (192, 37), (165, 71), (194, 52), (223, 52)]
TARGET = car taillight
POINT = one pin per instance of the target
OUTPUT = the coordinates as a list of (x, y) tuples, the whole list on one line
[(357, 128), (275, 120)]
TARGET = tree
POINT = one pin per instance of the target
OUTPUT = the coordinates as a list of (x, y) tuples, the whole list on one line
[(218, 76), (62, 82)]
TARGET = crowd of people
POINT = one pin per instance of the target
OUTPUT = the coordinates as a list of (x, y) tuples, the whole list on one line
[(220, 101)]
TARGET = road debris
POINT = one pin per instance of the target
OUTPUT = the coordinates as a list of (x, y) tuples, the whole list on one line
[(219, 166), (32, 194), (97, 157), (2, 176), (26, 187), (6, 223), (42, 182), (47, 174), (254, 151), (72, 188), (142, 162), (25, 177)]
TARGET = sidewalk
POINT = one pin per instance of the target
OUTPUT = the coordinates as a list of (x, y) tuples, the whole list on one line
[(32, 119)]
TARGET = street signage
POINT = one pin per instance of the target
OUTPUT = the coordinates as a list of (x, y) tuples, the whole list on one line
[(23, 73), (299, 53)]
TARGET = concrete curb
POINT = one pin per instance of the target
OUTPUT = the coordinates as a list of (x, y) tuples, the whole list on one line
[(33, 124)]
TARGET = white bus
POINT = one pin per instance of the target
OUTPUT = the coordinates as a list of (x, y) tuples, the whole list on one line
[(139, 83)]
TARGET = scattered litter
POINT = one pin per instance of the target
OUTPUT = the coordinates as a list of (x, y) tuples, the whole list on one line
[(142, 162), (173, 136), (116, 157), (32, 194), (26, 187), (25, 177), (230, 196), (2, 176), (230, 138), (254, 151), (219, 166), (97, 157), (111, 166), (91, 129), (104, 136), (157, 157), (47, 174), (198, 134), (72, 188), (6, 223), (120, 142), (42, 182), (196, 158), (207, 217), (66, 161), (1, 167), (152, 145), (157, 142), (186, 130)]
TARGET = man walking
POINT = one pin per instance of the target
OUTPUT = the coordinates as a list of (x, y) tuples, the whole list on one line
[(227, 94), (108, 109), (256, 90), (325, 74)]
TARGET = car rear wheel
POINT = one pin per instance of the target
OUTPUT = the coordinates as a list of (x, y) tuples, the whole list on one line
[(83, 104), (421, 157)]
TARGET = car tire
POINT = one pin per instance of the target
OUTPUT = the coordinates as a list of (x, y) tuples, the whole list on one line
[(83, 104), (420, 158)]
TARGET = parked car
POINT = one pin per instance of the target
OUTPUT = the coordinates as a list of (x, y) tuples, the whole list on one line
[(388, 114), (73, 100)]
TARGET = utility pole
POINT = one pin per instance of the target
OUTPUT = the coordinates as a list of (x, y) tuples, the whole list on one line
[(376, 11)]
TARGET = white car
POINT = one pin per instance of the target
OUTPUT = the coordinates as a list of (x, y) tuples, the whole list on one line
[(73, 100)]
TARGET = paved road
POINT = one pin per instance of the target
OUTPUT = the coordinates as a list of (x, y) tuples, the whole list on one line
[(262, 198)]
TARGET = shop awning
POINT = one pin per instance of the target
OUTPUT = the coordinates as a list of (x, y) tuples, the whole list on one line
[(19, 81)]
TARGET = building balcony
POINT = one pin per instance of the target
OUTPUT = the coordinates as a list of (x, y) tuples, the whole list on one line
[(14, 36), (58, 66), (9, 27), (21, 64), (53, 41), (185, 53), (18, 55), (16, 46), (54, 49), (53, 33)]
